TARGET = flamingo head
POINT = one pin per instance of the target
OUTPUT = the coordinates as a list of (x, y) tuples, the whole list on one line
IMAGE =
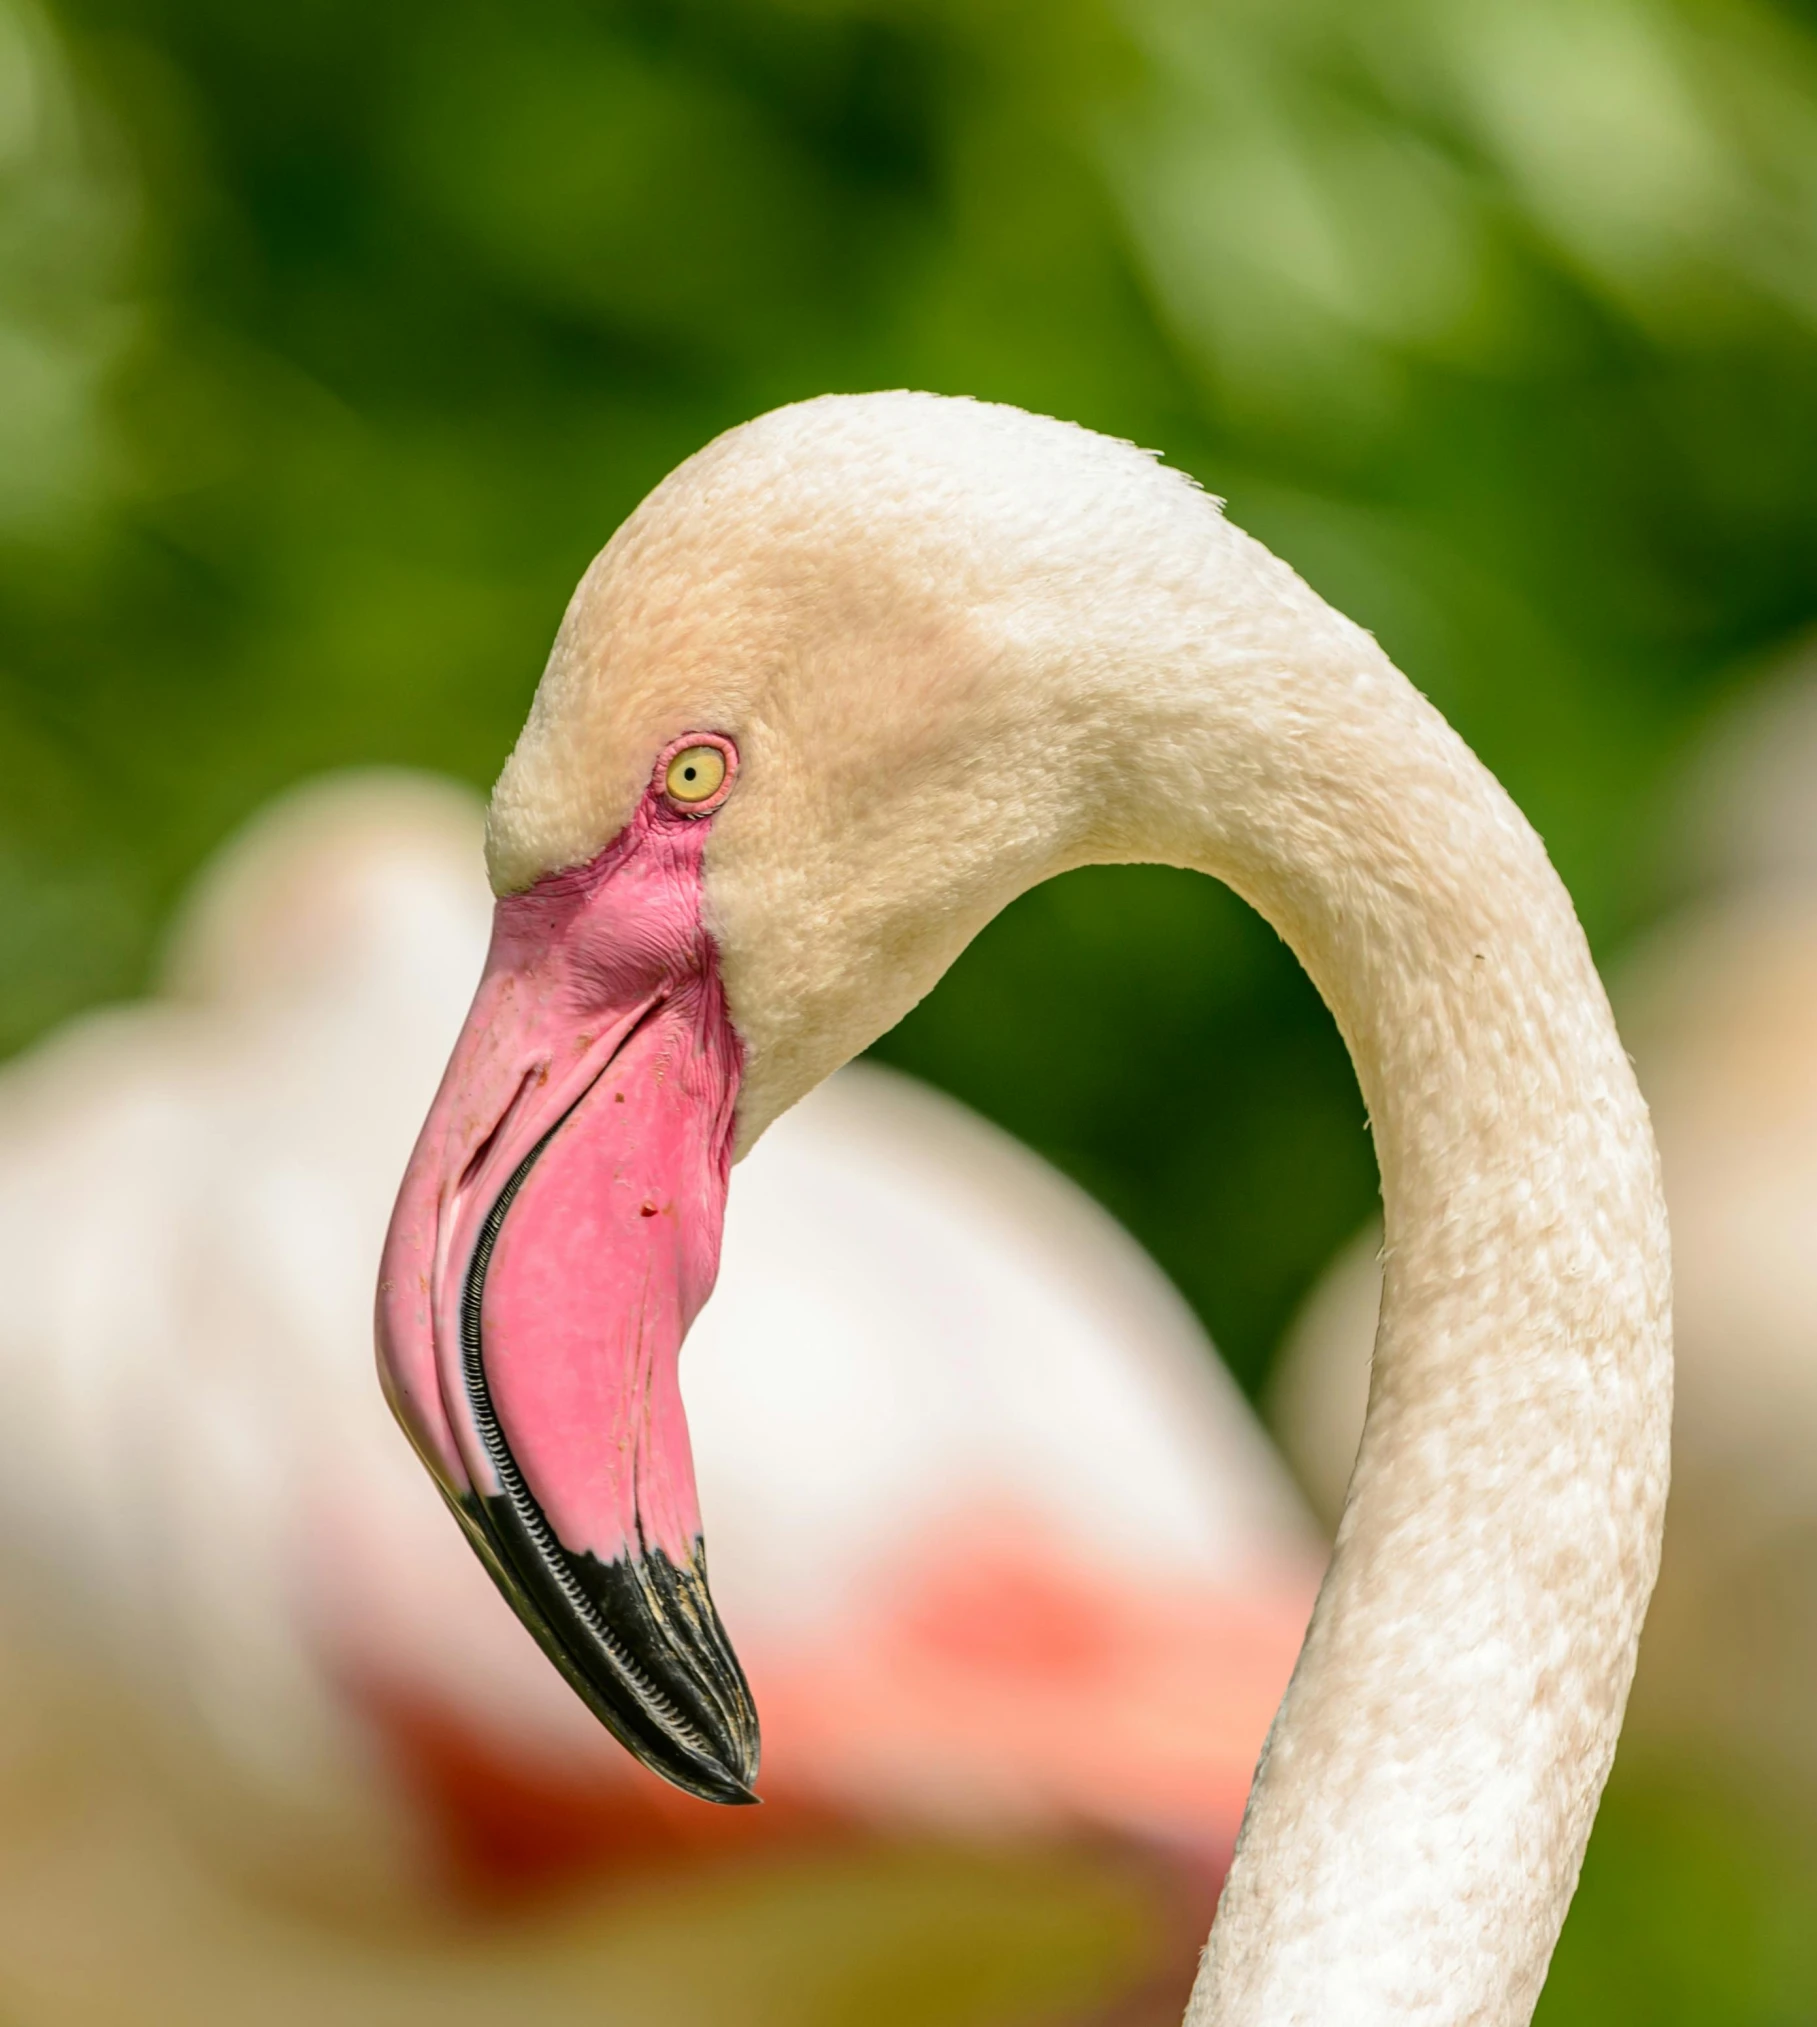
[(830, 699)]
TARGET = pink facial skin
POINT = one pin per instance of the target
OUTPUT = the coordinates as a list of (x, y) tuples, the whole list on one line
[(599, 1026)]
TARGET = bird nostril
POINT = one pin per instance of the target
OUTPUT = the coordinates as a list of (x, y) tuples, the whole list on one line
[(536, 1074), (647, 1211)]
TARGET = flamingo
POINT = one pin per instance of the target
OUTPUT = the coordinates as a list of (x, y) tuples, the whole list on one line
[(1717, 1005), (848, 680), (279, 1748)]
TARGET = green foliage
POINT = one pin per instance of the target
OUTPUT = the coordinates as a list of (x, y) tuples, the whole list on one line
[(1694, 1910)]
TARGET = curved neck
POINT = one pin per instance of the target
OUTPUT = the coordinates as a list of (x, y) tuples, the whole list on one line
[(1420, 1813)]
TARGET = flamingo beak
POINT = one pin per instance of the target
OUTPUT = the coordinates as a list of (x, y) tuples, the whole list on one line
[(557, 1232)]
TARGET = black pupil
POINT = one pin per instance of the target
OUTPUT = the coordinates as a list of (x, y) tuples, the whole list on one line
[(687, 774)]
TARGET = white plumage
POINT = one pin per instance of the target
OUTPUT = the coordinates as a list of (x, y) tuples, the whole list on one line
[(1719, 1006)]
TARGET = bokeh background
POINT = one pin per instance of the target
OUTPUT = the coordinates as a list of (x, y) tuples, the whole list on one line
[(335, 338)]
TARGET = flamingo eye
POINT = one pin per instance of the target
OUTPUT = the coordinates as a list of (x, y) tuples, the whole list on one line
[(695, 773)]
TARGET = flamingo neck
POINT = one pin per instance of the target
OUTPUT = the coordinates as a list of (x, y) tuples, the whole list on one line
[(1420, 1813)]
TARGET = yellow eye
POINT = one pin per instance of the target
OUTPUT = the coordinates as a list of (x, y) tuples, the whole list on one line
[(695, 773)]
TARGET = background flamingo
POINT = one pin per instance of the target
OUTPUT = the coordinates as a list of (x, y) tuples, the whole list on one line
[(274, 1730)]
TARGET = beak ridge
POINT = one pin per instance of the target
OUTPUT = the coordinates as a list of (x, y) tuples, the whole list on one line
[(638, 1636)]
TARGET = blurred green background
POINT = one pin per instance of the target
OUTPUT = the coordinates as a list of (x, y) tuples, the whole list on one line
[(334, 339)]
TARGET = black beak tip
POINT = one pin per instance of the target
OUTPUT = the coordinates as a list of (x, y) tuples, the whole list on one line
[(710, 1752), (641, 1643), (721, 1785)]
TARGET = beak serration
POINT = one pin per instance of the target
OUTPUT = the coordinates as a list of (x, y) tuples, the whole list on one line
[(638, 1638)]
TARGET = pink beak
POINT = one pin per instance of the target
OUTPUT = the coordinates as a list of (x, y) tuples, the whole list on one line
[(557, 1232)]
